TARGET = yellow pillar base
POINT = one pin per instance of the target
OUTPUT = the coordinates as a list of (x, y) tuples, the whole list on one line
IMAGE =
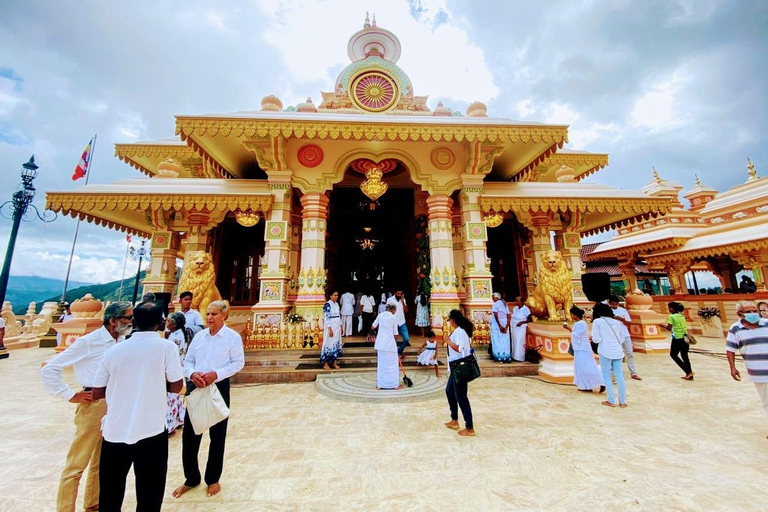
[(556, 363), (647, 336)]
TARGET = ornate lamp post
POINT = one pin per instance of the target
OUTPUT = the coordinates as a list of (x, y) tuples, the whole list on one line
[(18, 208), (138, 254)]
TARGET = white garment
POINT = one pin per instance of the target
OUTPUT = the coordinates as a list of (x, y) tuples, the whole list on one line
[(193, 320), (762, 390), (386, 323), (586, 372), (623, 313), (135, 374), (607, 333), (501, 309), (399, 314), (84, 356), (63, 319), (368, 303), (429, 355), (221, 353), (519, 314), (2, 323), (347, 302), (387, 370), (459, 337)]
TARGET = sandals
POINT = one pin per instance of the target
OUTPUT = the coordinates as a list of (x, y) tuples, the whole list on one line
[(607, 403)]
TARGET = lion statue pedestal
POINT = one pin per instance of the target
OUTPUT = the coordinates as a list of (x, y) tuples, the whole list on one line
[(647, 336)]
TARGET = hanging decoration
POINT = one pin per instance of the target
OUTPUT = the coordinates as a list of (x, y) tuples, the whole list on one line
[(247, 218), (373, 187), (493, 219)]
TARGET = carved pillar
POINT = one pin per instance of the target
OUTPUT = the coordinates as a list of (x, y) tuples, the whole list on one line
[(274, 278), (477, 277), (443, 275), (295, 256), (312, 277), (458, 254), (568, 242), (161, 274), (540, 238), (724, 267), (676, 275), (627, 268), (758, 264)]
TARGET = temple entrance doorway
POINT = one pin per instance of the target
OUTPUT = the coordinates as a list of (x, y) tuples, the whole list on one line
[(371, 245), (504, 247)]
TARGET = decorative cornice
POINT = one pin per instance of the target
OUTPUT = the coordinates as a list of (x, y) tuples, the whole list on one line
[(345, 130), (66, 202), (721, 250), (128, 153), (633, 251)]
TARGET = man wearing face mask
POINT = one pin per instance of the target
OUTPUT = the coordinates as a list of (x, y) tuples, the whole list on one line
[(84, 355), (751, 340)]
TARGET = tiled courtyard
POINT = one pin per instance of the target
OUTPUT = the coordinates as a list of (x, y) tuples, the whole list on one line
[(692, 446)]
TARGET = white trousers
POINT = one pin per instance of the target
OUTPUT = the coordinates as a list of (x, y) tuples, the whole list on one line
[(762, 390), (346, 320), (628, 349)]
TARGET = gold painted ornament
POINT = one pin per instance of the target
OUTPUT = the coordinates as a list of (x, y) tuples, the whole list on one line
[(493, 219), (373, 187), (247, 218)]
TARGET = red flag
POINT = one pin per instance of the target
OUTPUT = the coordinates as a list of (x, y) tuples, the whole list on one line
[(85, 162), (128, 238)]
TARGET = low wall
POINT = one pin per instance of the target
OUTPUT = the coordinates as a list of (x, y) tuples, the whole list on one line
[(725, 302)]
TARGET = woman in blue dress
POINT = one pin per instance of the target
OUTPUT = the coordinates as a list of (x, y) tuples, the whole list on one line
[(500, 340), (332, 333)]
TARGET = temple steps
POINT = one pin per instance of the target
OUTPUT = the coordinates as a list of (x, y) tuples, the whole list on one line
[(303, 365)]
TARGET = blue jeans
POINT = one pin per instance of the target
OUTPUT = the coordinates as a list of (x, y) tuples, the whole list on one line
[(606, 365), (402, 330), (457, 398)]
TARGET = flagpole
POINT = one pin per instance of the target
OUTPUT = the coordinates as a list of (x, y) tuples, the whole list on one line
[(122, 278), (77, 227)]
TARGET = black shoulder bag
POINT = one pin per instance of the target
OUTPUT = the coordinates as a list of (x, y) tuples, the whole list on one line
[(465, 369)]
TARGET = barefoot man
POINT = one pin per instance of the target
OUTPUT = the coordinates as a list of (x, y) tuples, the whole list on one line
[(215, 354)]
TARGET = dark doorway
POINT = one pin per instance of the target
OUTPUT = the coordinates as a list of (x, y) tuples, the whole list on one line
[(387, 260), (237, 252), (504, 247)]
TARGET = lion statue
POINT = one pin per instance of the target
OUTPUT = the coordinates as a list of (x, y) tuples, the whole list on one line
[(199, 278), (554, 288)]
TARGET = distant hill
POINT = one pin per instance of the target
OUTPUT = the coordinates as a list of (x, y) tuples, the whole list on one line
[(24, 289), (107, 292)]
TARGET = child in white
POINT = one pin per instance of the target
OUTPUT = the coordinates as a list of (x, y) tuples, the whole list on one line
[(428, 353)]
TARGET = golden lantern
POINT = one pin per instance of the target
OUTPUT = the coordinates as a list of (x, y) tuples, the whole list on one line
[(247, 218), (493, 219), (373, 187)]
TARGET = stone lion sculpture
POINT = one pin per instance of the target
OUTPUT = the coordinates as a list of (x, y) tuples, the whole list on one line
[(199, 278), (554, 288)]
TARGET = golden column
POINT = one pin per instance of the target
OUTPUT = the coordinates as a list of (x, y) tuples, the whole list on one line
[(627, 268), (477, 276), (275, 276), (444, 295), (161, 274), (312, 276)]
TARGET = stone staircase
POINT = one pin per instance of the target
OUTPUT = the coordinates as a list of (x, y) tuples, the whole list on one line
[(274, 366)]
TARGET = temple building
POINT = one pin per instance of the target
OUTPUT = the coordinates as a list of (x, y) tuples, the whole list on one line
[(366, 189)]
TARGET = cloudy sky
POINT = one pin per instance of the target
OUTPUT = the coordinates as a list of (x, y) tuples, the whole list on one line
[(676, 84)]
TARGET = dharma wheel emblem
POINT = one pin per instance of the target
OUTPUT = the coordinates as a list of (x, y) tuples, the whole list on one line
[(374, 92)]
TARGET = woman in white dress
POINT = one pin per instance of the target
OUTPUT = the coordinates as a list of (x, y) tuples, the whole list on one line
[(500, 337), (387, 369), (182, 337), (521, 316), (458, 348), (606, 332), (332, 332), (422, 312), (586, 374)]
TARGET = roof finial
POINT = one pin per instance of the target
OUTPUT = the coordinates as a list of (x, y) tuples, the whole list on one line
[(656, 176), (374, 19), (696, 180), (751, 170), (367, 23)]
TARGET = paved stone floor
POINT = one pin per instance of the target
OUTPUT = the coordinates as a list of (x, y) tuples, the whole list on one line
[(679, 446)]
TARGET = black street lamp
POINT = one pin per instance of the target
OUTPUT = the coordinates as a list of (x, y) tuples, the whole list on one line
[(138, 254), (17, 209)]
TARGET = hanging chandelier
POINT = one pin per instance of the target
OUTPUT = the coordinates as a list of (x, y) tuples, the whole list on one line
[(367, 243), (373, 187), (493, 219), (247, 218)]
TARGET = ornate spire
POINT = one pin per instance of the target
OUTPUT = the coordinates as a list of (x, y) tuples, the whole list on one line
[(374, 20), (751, 170), (696, 180), (367, 23), (656, 176)]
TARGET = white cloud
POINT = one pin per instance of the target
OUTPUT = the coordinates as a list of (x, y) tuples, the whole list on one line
[(9, 100), (437, 53), (659, 108)]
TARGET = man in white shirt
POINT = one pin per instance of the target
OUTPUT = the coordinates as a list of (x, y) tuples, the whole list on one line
[(84, 355), (399, 301), (622, 315), (66, 317), (215, 355), (135, 376), (367, 304), (192, 316), (347, 304)]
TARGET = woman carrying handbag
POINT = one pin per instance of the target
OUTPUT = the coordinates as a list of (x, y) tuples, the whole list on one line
[(606, 332), (456, 392)]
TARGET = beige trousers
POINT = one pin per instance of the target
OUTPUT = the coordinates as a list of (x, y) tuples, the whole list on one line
[(85, 451), (762, 390)]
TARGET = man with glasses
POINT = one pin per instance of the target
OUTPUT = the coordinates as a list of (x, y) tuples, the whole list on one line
[(84, 356), (750, 337)]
